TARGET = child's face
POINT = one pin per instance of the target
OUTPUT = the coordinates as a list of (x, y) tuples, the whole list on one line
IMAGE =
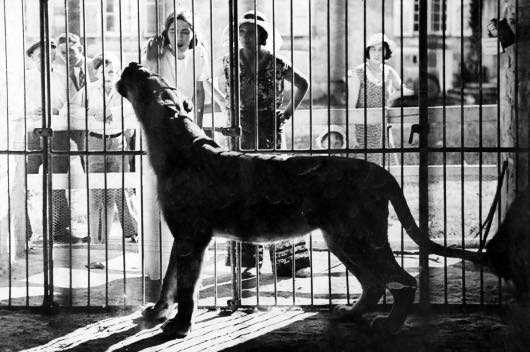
[(111, 74)]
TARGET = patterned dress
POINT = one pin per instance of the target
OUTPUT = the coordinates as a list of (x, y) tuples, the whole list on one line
[(270, 89), (374, 132)]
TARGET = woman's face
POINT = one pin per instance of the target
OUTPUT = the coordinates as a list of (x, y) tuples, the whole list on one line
[(182, 37), (376, 53), (111, 74), (247, 36)]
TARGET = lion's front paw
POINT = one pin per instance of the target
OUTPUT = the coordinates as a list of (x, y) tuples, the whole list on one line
[(155, 312), (176, 329), (349, 313), (385, 325)]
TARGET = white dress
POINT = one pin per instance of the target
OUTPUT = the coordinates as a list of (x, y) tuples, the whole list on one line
[(156, 235)]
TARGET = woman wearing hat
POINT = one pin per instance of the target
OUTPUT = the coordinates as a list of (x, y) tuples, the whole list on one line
[(261, 68), (369, 78)]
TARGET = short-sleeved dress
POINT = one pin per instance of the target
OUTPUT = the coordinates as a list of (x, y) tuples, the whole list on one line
[(374, 99), (270, 89)]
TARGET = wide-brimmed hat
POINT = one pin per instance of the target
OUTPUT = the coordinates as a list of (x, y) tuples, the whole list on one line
[(36, 45), (378, 38)]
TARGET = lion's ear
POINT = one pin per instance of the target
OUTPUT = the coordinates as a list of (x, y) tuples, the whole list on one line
[(187, 105)]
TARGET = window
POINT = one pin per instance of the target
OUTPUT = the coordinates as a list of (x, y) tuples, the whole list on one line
[(438, 10)]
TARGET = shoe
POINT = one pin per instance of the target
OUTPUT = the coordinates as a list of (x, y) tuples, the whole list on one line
[(304, 272), (249, 273), (96, 265), (67, 239)]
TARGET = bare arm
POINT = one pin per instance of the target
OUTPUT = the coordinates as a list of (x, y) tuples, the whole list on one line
[(300, 87)]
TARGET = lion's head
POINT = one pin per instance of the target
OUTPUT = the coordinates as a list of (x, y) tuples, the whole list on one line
[(142, 88)]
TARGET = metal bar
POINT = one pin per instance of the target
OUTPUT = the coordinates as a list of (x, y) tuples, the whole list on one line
[(444, 141), (480, 132), (123, 141), (140, 146), (424, 156), (24, 84), (105, 196), (462, 154), (87, 158), (9, 229)]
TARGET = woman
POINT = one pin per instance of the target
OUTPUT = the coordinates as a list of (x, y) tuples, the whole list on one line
[(379, 88), (105, 132), (179, 47), (272, 72)]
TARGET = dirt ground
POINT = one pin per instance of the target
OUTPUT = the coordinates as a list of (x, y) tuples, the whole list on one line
[(278, 329)]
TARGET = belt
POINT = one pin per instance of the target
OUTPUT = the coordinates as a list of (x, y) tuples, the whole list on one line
[(101, 136)]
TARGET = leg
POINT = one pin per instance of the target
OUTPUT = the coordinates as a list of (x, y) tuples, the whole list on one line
[(359, 265), (187, 277), (128, 220), (96, 215), (403, 288)]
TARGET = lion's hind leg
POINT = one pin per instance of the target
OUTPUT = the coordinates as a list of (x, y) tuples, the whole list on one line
[(358, 264), (403, 288)]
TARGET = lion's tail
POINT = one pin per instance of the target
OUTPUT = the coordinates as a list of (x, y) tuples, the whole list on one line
[(422, 239)]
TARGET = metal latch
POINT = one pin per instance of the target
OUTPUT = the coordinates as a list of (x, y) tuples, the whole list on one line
[(43, 132), (415, 128)]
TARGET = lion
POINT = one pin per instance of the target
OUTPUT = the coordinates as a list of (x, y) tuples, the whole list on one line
[(261, 198)]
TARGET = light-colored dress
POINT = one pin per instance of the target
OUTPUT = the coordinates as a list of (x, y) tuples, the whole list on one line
[(372, 93)]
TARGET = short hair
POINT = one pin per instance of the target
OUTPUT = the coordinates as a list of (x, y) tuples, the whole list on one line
[(387, 53), (32, 47), (184, 15), (97, 61)]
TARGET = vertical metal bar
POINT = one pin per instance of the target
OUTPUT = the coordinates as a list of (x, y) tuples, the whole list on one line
[(293, 87), (365, 132), (87, 158), (312, 287), (24, 87), (256, 78), (402, 129), (480, 155), (499, 207), (328, 70), (424, 155), (9, 230), (213, 136), (275, 136), (45, 76), (328, 55), (123, 141), (105, 190), (444, 141), (383, 102), (194, 59), (462, 154), (383, 96), (346, 69), (310, 35), (139, 134)]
